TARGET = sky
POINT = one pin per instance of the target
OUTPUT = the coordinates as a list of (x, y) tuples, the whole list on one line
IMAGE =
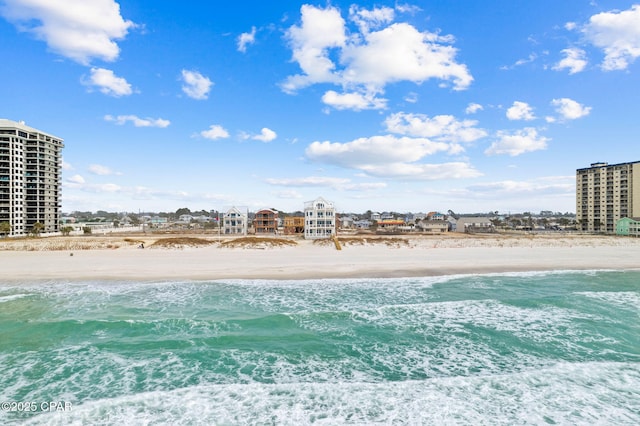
[(470, 106)]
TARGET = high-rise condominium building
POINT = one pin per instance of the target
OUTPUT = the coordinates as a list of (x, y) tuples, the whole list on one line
[(30, 178), (606, 193)]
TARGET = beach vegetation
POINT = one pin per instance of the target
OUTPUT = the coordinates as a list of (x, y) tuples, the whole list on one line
[(5, 228), (258, 242), (36, 229), (66, 230), (87, 230)]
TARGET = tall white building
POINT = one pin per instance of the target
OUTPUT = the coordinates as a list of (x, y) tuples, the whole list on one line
[(30, 177), (234, 222), (319, 219), (606, 193)]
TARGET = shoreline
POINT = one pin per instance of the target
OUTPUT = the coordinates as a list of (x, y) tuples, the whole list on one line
[(421, 257)]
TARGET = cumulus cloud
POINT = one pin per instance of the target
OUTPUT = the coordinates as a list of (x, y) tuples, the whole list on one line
[(108, 83), (76, 29), (390, 157), (195, 85), (570, 109), (401, 153), (574, 60), (520, 111), (214, 132), (76, 179), (472, 108), (374, 150), (246, 39), (137, 121), (443, 128), (517, 143), (353, 101), (369, 58), (266, 135), (368, 19), (617, 33), (101, 170)]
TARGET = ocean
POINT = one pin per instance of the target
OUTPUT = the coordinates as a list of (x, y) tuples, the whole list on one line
[(501, 349)]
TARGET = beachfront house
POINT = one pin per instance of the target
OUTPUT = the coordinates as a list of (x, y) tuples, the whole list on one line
[(319, 219), (628, 226), (265, 221), (293, 225), (433, 226), (474, 224), (234, 222)]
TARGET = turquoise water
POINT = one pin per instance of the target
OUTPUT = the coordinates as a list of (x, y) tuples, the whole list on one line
[(528, 348)]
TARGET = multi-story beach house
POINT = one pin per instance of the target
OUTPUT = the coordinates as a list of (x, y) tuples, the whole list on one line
[(606, 193), (265, 221), (30, 178), (319, 219), (234, 222), (293, 225)]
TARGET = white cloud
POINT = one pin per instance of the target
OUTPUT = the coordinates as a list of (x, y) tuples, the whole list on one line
[(453, 170), (531, 58), (341, 184), (401, 53), (101, 170), (517, 143), (412, 97), (390, 157), (442, 128), (548, 186), (374, 150), (368, 60), (574, 60), (246, 39), (353, 101), (66, 165), (367, 19), (266, 135), (137, 121), (215, 132), (77, 179), (618, 35), (108, 83), (472, 108), (321, 29), (196, 86), (520, 111), (570, 109), (77, 29)]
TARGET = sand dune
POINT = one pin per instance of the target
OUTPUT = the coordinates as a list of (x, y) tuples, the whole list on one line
[(119, 258)]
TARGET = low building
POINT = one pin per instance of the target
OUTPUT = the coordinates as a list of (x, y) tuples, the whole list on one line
[(234, 222), (628, 226), (362, 224), (433, 226), (319, 219), (293, 225), (474, 225), (390, 223), (265, 221)]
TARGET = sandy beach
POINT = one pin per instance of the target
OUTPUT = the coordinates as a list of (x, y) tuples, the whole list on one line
[(119, 258)]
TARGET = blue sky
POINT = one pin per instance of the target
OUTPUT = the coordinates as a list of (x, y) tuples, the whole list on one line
[(418, 106)]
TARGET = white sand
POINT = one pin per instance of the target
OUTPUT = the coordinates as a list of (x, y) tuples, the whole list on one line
[(423, 257)]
